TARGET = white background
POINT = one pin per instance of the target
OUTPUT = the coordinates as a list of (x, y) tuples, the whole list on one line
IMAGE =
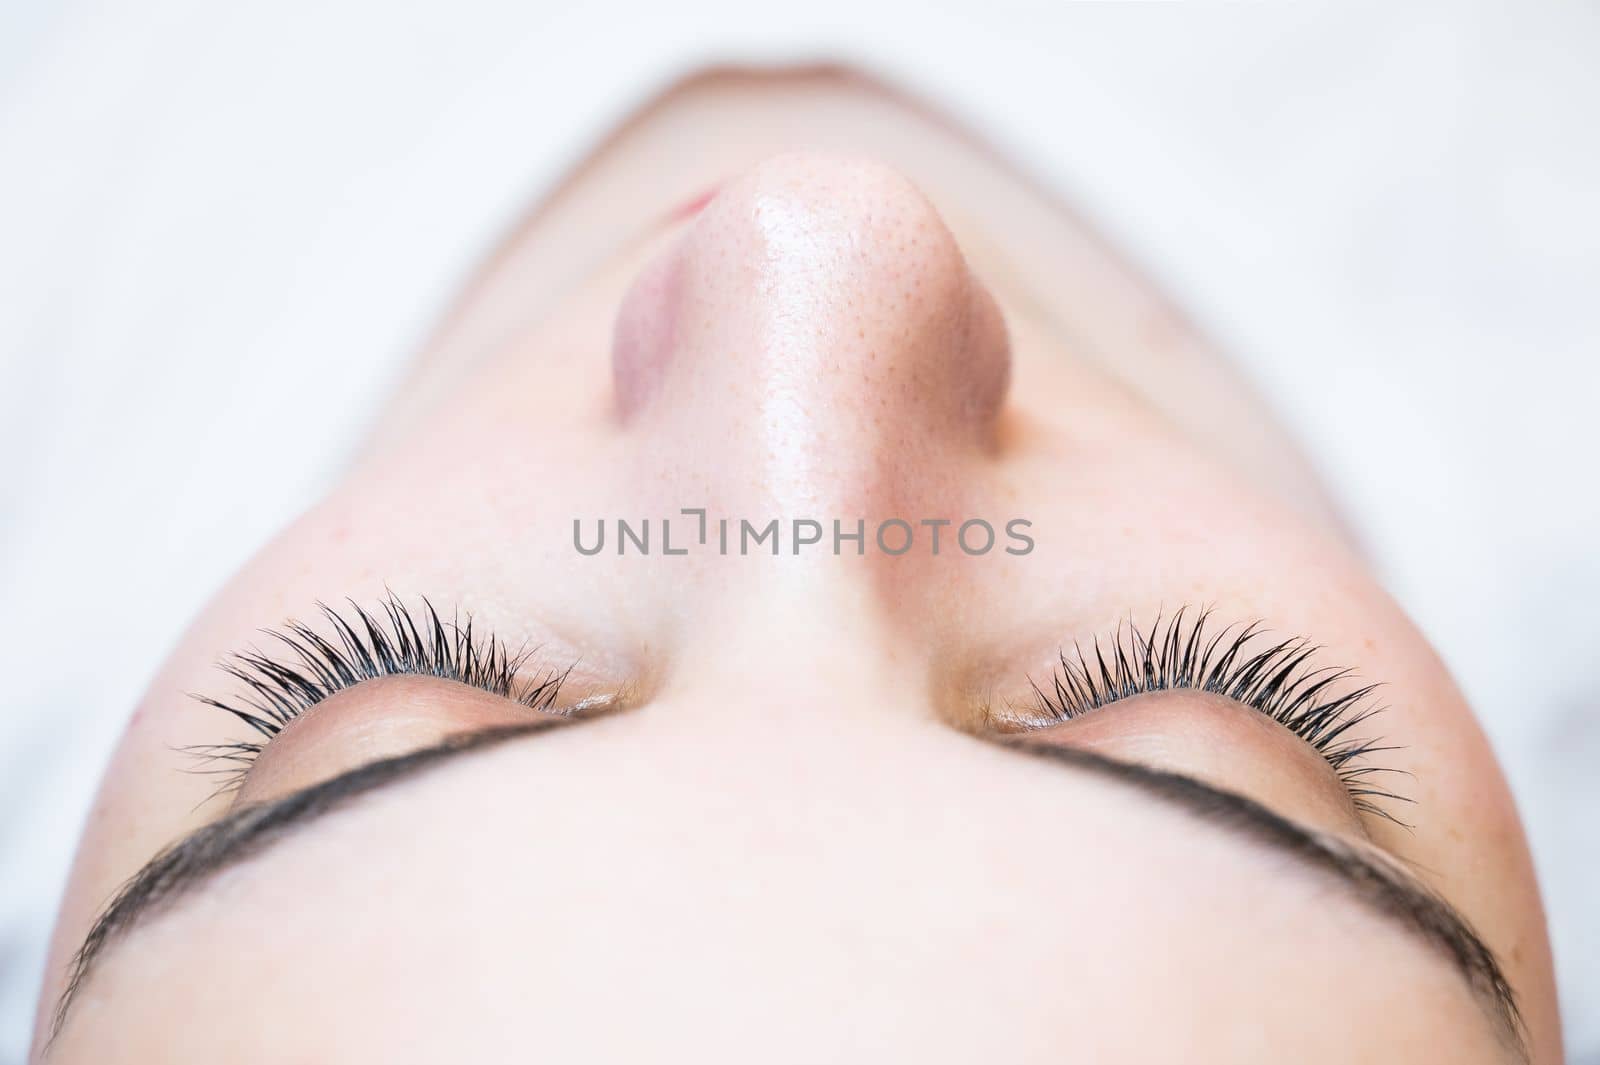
[(223, 226)]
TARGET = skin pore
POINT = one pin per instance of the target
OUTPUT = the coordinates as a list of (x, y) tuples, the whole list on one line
[(805, 806)]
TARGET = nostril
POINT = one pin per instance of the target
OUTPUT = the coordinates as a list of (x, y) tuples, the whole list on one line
[(692, 206), (817, 315), (644, 336)]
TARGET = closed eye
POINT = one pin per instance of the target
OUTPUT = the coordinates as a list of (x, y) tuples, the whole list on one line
[(1278, 677), (309, 667)]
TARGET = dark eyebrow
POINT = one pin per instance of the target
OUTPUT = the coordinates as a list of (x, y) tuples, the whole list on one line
[(1383, 886), (247, 831)]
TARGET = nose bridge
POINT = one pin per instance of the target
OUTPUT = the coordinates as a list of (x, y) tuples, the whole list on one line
[(818, 323)]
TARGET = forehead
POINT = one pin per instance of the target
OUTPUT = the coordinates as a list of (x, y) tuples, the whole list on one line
[(576, 896)]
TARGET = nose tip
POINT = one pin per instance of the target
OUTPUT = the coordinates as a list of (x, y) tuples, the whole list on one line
[(819, 310)]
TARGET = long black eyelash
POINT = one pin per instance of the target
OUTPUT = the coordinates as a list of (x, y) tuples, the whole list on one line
[(393, 640), (1238, 662)]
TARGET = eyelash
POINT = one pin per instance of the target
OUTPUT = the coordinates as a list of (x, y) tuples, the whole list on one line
[(394, 640), (1173, 655), (1277, 680)]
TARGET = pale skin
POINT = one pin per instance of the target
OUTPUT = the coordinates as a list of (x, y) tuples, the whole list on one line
[(784, 833)]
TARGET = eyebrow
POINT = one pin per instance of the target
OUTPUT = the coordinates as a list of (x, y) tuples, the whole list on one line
[(1382, 886), (247, 831)]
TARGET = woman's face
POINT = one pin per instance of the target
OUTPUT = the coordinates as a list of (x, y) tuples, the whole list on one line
[(807, 797)]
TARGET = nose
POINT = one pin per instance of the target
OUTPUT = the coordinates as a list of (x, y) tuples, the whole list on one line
[(814, 340)]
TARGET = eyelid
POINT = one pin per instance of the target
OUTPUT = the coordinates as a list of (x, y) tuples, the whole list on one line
[(1216, 741), (395, 640), (1240, 662), (377, 719)]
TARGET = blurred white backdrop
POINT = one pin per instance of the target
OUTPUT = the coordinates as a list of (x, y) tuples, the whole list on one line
[(224, 227)]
